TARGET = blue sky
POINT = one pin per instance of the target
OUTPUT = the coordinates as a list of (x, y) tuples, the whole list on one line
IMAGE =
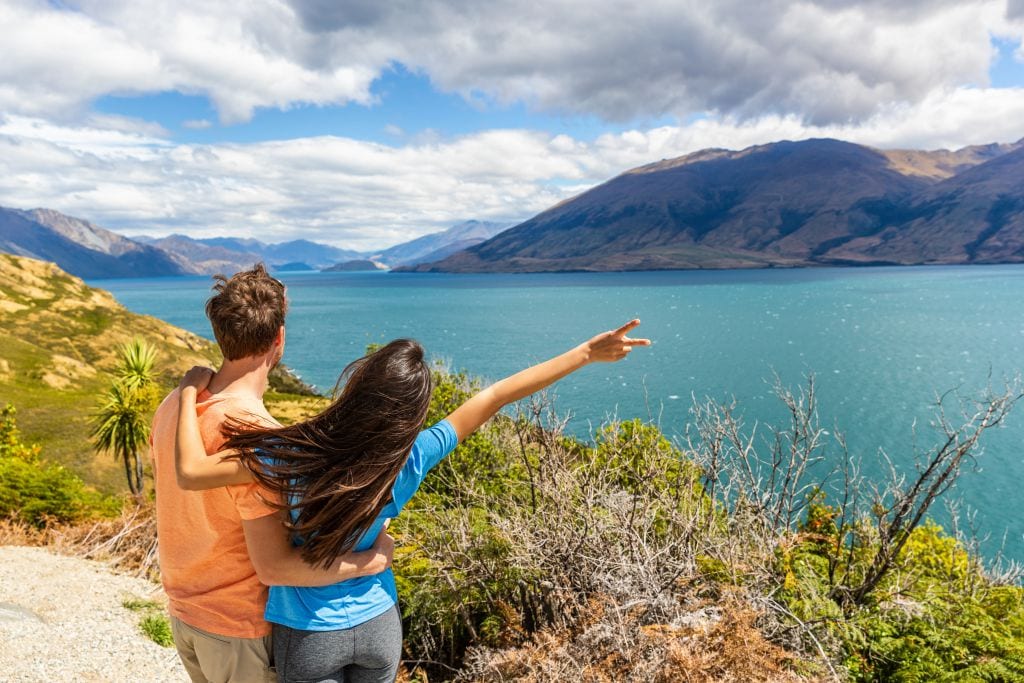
[(365, 124), (406, 105), (1007, 68)]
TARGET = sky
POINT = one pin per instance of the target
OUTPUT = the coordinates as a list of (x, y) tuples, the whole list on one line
[(364, 124)]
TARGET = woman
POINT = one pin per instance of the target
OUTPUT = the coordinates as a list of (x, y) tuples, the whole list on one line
[(343, 474)]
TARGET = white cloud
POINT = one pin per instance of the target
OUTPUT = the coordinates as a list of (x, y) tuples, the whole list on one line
[(826, 61), (240, 54), (197, 124), (365, 195)]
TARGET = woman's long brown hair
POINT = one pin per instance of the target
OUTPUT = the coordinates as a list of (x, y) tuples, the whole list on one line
[(337, 468)]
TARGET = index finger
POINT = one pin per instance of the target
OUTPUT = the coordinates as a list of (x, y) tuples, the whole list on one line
[(628, 326)]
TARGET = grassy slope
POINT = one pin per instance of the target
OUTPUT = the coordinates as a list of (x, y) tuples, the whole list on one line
[(58, 345)]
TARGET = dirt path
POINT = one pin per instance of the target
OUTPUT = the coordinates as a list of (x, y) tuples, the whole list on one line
[(62, 619)]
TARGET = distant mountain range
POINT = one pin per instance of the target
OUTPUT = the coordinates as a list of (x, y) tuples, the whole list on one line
[(228, 254), (785, 204), (89, 251), (816, 202), (438, 245)]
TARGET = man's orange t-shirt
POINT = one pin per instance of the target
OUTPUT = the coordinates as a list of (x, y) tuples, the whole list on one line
[(209, 579)]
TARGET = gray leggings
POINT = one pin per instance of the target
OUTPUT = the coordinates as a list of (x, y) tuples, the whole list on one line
[(367, 653)]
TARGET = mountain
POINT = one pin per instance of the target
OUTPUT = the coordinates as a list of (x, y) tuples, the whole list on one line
[(783, 204), (228, 254), (201, 258), (436, 246), (80, 247), (241, 244)]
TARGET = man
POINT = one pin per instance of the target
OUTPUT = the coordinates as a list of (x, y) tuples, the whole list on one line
[(219, 549)]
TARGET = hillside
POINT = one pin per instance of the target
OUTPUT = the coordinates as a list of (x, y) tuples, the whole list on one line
[(58, 342), (784, 204), (976, 216), (81, 247)]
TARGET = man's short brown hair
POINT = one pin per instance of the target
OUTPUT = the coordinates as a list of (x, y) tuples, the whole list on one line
[(246, 312)]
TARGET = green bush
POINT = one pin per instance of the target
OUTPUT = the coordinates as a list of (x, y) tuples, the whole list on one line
[(38, 493), (939, 618)]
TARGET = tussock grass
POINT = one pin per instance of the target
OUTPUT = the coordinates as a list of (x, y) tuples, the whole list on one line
[(157, 628), (154, 623)]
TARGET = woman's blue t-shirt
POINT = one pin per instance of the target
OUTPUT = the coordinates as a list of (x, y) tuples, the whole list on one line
[(355, 601)]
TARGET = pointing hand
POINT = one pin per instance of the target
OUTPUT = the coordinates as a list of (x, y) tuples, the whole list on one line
[(614, 345)]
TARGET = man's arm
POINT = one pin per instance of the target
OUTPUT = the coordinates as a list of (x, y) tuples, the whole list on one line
[(279, 563)]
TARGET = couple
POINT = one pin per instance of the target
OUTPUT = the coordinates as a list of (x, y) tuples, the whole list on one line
[(303, 508)]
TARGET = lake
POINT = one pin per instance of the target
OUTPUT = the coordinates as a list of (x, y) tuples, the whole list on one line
[(881, 342)]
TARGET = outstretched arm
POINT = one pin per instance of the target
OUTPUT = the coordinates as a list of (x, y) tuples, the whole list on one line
[(605, 347), (194, 469)]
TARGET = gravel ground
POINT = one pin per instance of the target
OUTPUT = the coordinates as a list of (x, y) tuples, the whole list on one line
[(61, 619)]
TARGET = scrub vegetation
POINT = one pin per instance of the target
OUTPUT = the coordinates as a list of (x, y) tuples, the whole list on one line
[(530, 555)]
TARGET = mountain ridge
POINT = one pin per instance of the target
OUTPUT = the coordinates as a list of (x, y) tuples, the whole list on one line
[(87, 250), (784, 204), (51, 236)]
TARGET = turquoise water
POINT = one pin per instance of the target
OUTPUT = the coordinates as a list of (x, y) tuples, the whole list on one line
[(881, 343)]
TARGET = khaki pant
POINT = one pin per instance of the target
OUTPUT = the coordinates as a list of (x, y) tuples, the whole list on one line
[(212, 658)]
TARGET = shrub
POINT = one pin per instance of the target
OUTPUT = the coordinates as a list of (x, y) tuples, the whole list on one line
[(531, 555), (39, 493)]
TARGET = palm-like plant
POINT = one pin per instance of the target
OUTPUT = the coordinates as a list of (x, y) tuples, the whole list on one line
[(121, 424), (137, 359)]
